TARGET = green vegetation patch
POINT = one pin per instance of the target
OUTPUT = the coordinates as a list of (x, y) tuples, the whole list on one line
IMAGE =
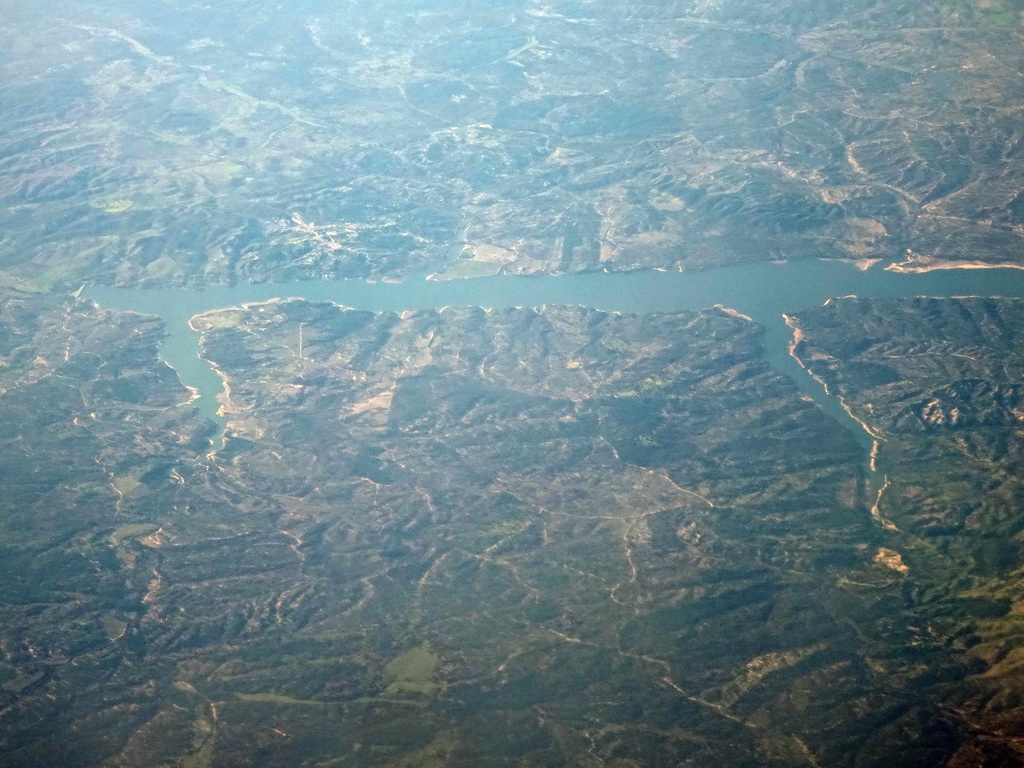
[(113, 627), (434, 755), (411, 673), (20, 681), (131, 531), (221, 318), (125, 484), (112, 204), (276, 698)]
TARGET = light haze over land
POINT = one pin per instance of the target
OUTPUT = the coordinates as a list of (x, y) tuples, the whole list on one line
[(568, 512)]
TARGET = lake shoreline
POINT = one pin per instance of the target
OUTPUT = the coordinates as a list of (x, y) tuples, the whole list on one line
[(759, 292)]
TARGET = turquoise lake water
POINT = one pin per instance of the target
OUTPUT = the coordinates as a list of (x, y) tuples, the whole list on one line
[(764, 291)]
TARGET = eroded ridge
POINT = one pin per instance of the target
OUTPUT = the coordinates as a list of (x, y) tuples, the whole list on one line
[(940, 378), (579, 474), (521, 138)]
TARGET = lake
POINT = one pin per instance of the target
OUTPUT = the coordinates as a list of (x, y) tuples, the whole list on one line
[(764, 291)]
